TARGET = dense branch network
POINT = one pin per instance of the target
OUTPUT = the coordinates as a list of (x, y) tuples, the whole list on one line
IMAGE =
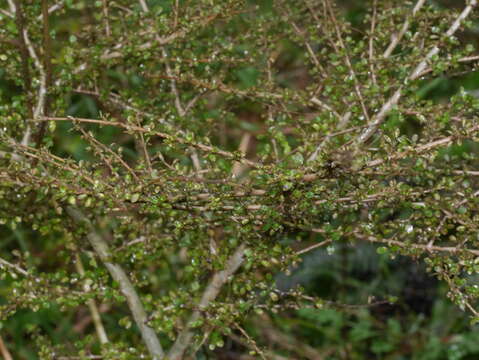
[(221, 151)]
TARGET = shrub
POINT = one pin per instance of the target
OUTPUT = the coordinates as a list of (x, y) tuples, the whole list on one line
[(168, 158)]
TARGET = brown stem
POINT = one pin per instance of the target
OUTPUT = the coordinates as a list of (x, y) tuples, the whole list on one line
[(47, 67), (126, 287), (4, 351)]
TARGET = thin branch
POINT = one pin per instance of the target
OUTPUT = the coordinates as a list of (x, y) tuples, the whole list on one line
[(174, 88), (126, 287), (396, 38), (308, 46), (95, 314), (143, 5), (176, 11), (344, 119), (371, 42), (419, 149), (193, 101), (251, 341), (209, 295), (159, 41), (106, 17), (15, 267), (13, 4), (6, 13), (16, 8), (51, 9), (4, 351), (80, 326), (146, 155), (352, 73), (288, 341)]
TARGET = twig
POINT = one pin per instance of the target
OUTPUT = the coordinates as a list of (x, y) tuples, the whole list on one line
[(342, 123), (312, 247), (13, 266), (425, 248), (174, 89), (176, 11), (251, 341), (6, 13), (45, 74), (95, 314), (202, 147), (89, 357), (211, 292), (126, 287), (159, 41), (344, 119), (107, 149), (465, 59), (288, 342)]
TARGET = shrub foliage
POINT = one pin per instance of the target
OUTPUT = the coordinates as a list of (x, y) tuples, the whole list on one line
[(167, 158)]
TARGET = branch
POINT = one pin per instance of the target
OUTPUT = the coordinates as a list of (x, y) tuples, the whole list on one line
[(396, 38), (144, 6), (126, 287), (463, 60), (419, 149), (95, 314), (211, 292), (425, 248), (17, 268), (394, 99)]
